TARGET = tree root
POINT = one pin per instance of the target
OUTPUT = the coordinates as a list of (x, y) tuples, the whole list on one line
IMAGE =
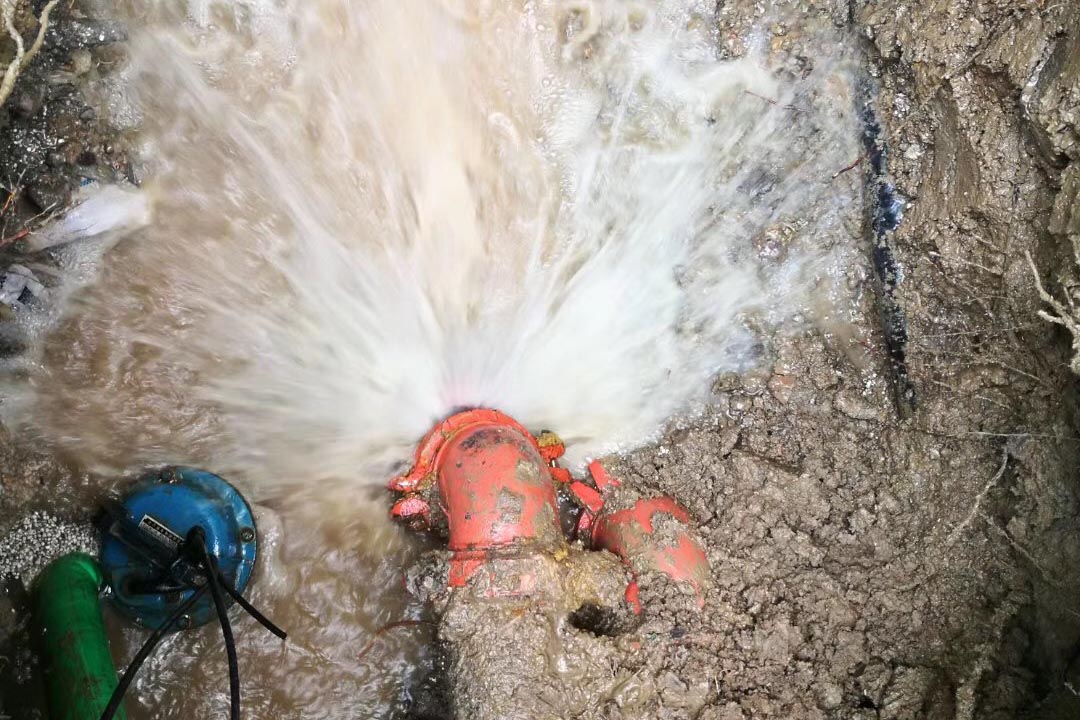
[(22, 56), (1066, 316)]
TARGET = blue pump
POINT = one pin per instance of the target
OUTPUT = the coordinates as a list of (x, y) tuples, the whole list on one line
[(143, 534)]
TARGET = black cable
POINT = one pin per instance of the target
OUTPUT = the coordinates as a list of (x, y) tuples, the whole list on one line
[(214, 581), (250, 609), (144, 652), (194, 547)]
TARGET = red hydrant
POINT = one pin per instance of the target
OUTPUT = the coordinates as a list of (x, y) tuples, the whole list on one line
[(488, 485), (493, 490)]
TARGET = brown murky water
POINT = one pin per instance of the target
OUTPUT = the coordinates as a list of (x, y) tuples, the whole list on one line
[(333, 582)]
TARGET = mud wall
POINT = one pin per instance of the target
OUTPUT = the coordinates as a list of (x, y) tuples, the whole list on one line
[(870, 565)]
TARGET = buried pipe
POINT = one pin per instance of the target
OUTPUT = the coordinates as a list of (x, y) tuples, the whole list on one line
[(486, 484), (492, 490)]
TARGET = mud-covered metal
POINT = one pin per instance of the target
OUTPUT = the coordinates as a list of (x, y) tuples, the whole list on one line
[(486, 482), (489, 486), (635, 535)]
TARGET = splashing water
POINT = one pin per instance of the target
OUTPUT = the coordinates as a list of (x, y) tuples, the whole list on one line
[(368, 215)]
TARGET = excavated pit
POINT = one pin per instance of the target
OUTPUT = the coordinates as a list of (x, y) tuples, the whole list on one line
[(870, 559)]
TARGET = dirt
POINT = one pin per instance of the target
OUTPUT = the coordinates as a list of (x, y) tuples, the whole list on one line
[(868, 566), (867, 561)]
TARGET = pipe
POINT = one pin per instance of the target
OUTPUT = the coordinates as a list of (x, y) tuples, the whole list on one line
[(513, 590), (633, 534), (79, 671), (485, 482)]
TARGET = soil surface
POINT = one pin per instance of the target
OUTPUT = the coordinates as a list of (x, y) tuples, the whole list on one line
[(876, 562), (871, 558)]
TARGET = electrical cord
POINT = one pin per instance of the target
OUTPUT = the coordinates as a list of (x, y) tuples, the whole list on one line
[(194, 550), (213, 575), (144, 652)]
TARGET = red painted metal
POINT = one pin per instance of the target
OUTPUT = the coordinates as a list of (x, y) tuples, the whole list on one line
[(490, 485), (630, 535), (601, 477), (496, 489), (486, 479), (427, 451), (561, 475), (587, 496), (412, 506), (632, 592)]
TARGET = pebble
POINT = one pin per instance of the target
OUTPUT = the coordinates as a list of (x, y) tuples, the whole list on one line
[(38, 539), (80, 62), (781, 386), (830, 696)]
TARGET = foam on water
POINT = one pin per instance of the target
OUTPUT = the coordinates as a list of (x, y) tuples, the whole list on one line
[(370, 214)]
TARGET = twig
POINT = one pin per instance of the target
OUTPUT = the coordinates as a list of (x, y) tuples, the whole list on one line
[(955, 534), (852, 166), (12, 238), (22, 56), (761, 97), (15, 187), (12, 72), (43, 25), (1065, 315)]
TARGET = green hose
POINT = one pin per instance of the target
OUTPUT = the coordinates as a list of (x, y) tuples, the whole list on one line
[(79, 671)]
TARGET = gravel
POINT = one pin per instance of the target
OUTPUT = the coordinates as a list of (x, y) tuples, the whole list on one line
[(37, 539)]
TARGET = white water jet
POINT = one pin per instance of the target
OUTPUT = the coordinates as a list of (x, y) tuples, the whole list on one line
[(368, 215)]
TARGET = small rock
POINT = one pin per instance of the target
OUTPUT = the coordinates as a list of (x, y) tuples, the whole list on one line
[(80, 62), (48, 195), (781, 386), (27, 104), (39, 538), (829, 696), (914, 151)]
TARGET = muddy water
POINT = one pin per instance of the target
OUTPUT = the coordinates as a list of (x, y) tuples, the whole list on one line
[(369, 214), (332, 585)]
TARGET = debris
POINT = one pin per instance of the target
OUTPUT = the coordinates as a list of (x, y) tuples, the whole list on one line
[(39, 538), (103, 209), (19, 287)]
